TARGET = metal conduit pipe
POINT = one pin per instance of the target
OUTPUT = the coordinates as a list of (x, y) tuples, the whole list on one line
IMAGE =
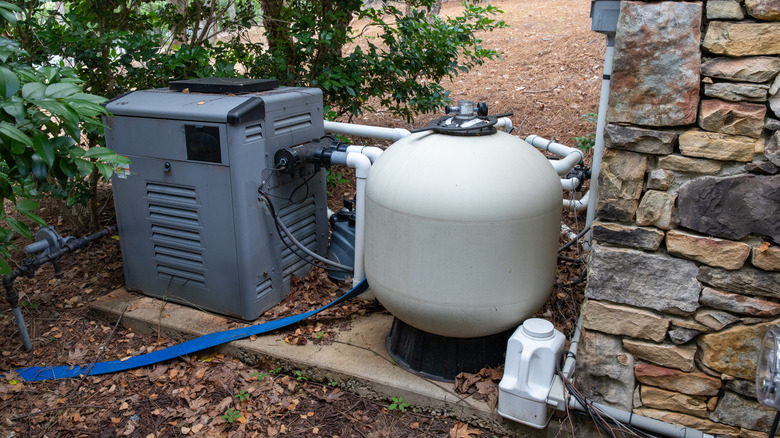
[(366, 130), (598, 148), (571, 156)]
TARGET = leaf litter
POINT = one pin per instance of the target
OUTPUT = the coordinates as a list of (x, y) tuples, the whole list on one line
[(549, 77)]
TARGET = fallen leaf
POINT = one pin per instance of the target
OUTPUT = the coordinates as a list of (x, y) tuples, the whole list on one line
[(460, 430), (763, 247), (201, 102), (196, 428)]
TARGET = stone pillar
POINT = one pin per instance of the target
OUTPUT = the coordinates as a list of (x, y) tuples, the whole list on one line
[(684, 273)]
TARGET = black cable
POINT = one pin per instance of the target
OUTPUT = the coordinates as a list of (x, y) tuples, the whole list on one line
[(282, 235), (569, 259), (575, 239), (304, 183), (774, 425)]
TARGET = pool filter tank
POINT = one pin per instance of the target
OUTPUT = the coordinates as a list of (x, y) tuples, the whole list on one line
[(462, 226), (191, 227)]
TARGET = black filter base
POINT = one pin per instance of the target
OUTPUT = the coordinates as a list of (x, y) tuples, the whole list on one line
[(441, 357)]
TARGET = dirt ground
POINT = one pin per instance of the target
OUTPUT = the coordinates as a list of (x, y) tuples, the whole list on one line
[(549, 78)]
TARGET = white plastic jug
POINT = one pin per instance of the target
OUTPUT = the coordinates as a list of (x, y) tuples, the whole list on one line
[(532, 354)]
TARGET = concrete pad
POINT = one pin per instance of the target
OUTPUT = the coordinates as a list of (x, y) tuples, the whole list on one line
[(360, 362)]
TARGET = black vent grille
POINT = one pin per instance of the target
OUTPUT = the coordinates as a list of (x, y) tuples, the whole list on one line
[(300, 219), (176, 233)]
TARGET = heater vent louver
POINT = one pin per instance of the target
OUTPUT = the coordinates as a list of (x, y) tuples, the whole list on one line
[(303, 226), (292, 123), (263, 287), (176, 234), (253, 133)]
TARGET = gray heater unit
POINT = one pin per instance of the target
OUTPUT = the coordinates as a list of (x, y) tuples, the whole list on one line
[(191, 226)]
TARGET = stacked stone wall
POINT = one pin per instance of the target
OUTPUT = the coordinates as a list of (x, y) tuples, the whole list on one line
[(684, 273)]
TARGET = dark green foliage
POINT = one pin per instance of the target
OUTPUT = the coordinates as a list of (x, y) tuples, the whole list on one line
[(42, 114)]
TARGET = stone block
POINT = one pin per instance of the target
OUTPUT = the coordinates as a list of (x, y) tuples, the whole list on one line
[(628, 235), (657, 208), (655, 281), (745, 388), (605, 371), (731, 207), (766, 257), (623, 320), (695, 383), (772, 148), (761, 168), (742, 412), (774, 99), (688, 323), (658, 398), (746, 281), (620, 185), (763, 9), (692, 165), (771, 124), (740, 304), (737, 92), (660, 179), (680, 336), (756, 69), (665, 355), (724, 10), (641, 140), (733, 351), (715, 319), (655, 78), (717, 146), (711, 251), (742, 39), (735, 118), (693, 422)]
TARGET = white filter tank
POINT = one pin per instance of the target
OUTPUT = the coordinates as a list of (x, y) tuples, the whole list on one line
[(462, 232)]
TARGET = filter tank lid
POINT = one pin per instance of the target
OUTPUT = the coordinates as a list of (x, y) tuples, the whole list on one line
[(538, 328), (470, 119)]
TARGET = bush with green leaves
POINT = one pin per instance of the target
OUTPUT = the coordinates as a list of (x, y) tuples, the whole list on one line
[(43, 112), (395, 57)]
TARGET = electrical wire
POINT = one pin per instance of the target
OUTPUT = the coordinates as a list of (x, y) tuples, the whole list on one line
[(602, 419), (575, 239), (774, 425), (283, 232)]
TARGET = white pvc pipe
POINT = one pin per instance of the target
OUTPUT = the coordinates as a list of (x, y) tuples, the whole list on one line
[(570, 183), (372, 152), (571, 156), (362, 164), (379, 132), (598, 148), (577, 204), (504, 122)]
